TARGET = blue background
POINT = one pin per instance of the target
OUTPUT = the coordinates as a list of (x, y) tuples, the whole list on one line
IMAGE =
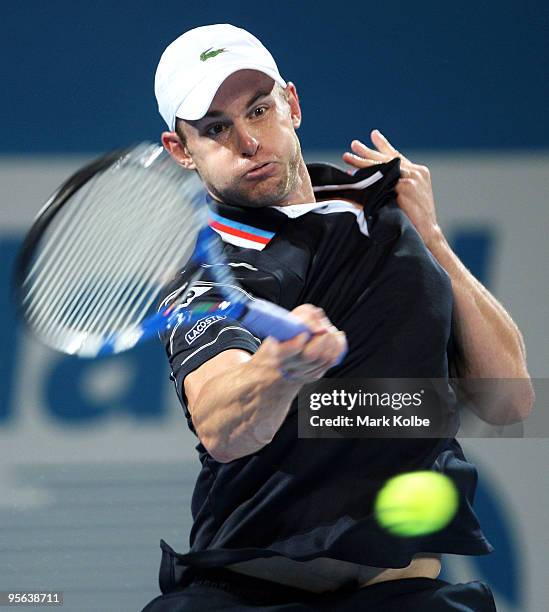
[(78, 77)]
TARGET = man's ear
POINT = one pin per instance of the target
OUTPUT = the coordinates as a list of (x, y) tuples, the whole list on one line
[(293, 101), (179, 151)]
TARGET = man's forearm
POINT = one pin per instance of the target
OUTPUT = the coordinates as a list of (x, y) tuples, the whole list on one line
[(240, 411), (489, 344)]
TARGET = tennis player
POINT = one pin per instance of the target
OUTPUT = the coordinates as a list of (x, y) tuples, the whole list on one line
[(280, 522)]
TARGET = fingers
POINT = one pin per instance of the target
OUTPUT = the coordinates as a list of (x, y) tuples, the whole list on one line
[(405, 173), (313, 317), (284, 351), (364, 156), (289, 348), (318, 356), (324, 349), (383, 152), (309, 359), (382, 144), (361, 149), (407, 169)]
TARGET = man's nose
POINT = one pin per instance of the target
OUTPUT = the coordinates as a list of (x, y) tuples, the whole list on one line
[(247, 142)]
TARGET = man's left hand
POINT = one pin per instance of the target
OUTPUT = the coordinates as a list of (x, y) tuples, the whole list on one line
[(414, 190)]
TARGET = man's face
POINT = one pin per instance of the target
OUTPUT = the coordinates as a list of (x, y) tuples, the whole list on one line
[(249, 123)]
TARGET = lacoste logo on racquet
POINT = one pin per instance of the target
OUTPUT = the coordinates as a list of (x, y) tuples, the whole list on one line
[(208, 54), (201, 326)]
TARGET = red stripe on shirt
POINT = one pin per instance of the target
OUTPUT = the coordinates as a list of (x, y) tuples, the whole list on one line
[(236, 232)]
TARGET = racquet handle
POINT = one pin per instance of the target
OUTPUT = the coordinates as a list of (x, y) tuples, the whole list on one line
[(265, 319)]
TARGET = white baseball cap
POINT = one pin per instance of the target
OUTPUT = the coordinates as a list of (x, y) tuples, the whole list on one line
[(193, 67)]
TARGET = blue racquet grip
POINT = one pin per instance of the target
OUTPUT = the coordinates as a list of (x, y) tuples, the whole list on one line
[(266, 319)]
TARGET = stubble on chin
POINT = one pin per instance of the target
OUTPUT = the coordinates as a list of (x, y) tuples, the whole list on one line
[(261, 194)]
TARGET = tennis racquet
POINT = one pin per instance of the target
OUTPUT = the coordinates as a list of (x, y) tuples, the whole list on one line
[(102, 248)]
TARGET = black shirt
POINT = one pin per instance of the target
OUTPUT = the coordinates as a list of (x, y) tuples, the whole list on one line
[(372, 274)]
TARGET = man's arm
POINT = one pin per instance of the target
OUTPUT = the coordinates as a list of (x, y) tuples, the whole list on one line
[(238, 402), (489, 344)]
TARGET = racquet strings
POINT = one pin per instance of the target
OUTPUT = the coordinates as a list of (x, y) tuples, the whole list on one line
[(102, 261)]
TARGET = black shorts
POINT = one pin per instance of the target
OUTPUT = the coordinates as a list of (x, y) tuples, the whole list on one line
[(219, 589)]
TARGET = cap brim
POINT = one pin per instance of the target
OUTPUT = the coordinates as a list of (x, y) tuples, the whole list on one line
[(198, 101)]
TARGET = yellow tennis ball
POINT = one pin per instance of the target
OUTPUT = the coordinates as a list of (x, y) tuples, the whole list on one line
[(416, 503)]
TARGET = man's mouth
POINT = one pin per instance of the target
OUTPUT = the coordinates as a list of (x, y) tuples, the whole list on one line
[(261, 171)]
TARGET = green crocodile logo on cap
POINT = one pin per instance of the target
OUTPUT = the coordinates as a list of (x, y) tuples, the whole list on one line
[(205, 55)]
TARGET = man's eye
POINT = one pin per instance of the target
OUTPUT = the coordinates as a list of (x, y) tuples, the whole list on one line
[(260, 110), (215, 129)]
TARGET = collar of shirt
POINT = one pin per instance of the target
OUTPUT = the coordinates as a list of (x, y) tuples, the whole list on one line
[(296, 210), (254, 228)]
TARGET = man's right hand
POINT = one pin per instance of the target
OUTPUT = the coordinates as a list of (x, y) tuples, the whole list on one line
[(305, 358), (238, 401)]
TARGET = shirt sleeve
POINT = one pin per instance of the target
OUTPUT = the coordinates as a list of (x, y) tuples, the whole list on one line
[(189, 345)]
